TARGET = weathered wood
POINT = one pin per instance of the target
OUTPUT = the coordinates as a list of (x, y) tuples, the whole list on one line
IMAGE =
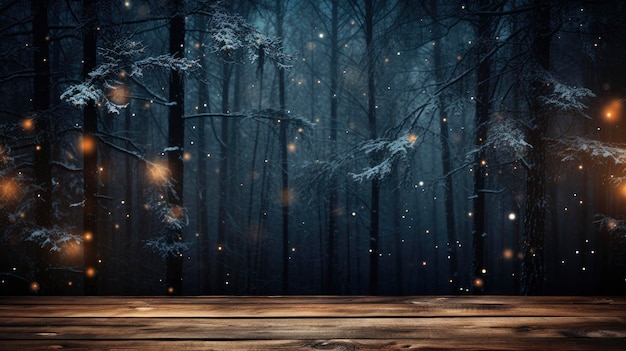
[(312, 323)]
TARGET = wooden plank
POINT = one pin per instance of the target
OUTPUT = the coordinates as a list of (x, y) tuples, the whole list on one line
[(311, 328), (300, 307), (313, 323), (338, 344)]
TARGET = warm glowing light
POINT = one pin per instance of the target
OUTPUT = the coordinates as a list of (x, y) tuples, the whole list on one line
[(119, 94), (158, 172), (478, 283), (88, 144), (28, 124), (88, 236), (90, 272), (612, 112), (622, 189), (34, 286), (507, 254), (611, 224), (170, 290), (73, 249), (186, 156), (291, 147), (38, 147), (8, 190), (412, 138)]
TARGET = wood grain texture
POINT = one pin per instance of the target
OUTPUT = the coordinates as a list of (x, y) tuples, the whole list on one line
[(313, 323)]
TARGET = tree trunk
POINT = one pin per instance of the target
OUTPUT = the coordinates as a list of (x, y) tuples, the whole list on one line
[(283, 155), (203, 211), (532, 275), (371, 115), (223, 183), (334, 193), (90, 154), (446, 162), (41, 157), (479, 232), (176, 137)]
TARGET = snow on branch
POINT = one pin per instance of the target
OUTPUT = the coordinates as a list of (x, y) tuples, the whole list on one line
[(504, 136), (390, 151), (566, 98), (103, 85), (231, 33), (597, 151), (53, 238), (163, 61), (164, 247), (575, 147)]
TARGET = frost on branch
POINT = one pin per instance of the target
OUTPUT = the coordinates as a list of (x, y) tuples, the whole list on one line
[(173, 218), (566, 98), (164, 247), (53, 238), (577, 147), (168, 62), (390, 151), (232, 33), (505, 137), (103, 85)]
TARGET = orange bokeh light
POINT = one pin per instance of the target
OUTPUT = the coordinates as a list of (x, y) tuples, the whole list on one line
[(507, 254), (90, 272), (613, 111), (8, 190), (119, 94), (88, 144), (28, 124), (158, 172)]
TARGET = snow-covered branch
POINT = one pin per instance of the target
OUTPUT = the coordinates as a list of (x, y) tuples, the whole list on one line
[(566, 98), (505, 136), (575, 147), (389, 150), (103, 85), (164, 248), (231, 33), (53, 238)]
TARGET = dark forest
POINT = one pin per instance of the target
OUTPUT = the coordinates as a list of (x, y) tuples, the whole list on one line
[(344, 147)]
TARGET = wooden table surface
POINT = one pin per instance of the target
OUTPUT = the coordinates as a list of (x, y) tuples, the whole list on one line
[(313, 323)]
